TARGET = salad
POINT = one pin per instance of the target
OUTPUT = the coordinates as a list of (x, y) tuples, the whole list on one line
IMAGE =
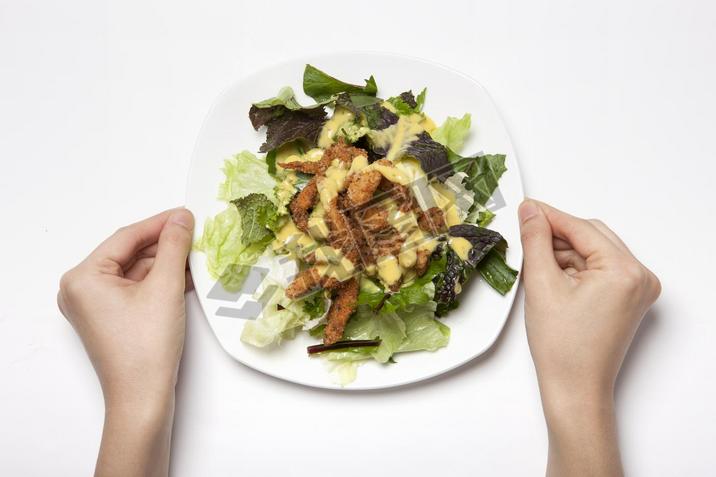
[(381, 216)]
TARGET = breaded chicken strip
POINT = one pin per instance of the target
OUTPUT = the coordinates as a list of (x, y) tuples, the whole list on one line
[(302, 204), (422, 262), (399, 193), (432, 220), (343, 234), (372, 219), (310, 280), (343, 152), (361, 186), (343, 306), (340, 150)]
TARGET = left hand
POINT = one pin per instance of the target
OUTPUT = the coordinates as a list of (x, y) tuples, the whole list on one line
[(126, 302)]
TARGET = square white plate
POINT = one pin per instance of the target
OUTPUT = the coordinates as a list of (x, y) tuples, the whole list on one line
[(475, 324)]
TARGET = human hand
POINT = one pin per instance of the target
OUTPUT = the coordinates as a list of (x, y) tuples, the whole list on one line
[(585, 297), (126, 302)]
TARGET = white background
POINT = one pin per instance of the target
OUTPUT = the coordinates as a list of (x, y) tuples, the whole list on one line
[(611, 106)]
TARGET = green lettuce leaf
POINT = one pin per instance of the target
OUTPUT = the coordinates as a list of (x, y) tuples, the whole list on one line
[(496, 272), (280, 318), (483, 173), (423, 332), (406, 103), (480, 215), (367, 325), (420, 292), (227, 256), (259, 217), (314, 305), (322, 87), (370, 293), (245, 174), (452, 132)]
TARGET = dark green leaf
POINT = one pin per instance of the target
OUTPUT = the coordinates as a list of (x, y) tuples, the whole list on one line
[(497, 273), (482, 240), (315, 305), (432, 155), (379, 117), (271, 161), (405, 103), (321, 86), (258, 217), (483, 173)]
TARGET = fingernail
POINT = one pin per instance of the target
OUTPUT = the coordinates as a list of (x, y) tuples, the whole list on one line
[(527, 210), (182, 217)]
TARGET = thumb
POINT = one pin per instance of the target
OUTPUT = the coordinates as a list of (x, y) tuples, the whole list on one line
[(173, 247), (540, 264)]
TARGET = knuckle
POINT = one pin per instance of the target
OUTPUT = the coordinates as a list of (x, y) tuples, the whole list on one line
[(70, 284), (634, 276)]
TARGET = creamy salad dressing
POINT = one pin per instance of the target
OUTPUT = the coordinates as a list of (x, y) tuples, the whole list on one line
[(340, 118)]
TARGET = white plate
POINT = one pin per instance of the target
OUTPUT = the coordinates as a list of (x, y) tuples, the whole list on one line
[(478, 321)]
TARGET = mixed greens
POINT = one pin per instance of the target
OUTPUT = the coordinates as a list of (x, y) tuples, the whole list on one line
[(383, 218)]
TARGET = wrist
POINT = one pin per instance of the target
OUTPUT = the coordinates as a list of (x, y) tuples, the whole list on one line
[(572, 401)]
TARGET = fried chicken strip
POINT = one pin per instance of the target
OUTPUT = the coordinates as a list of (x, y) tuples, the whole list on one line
[(310, 280), (432, 220), (302, 204), (339, 150), (343, 306), (361, 186), (422, 262)]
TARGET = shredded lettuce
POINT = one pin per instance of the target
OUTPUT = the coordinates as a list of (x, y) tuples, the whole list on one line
[(245, 174), (420, 292), (280, 317), (452, 132), (412, 328), (227, 256)]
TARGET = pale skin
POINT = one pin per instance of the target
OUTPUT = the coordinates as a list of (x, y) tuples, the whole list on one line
[(585, 297)]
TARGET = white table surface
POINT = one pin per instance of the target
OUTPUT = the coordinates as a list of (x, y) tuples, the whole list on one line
[(611, 107)]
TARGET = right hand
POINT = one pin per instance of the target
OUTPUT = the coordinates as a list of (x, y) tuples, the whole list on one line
[(585, 297)]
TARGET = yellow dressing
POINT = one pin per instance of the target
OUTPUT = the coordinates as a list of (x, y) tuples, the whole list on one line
[(317, 227), (290, 238), (407, 257), (445, 199), (358, 164), (340, 117), (403, 222), (341, 271), (332, 183), (389, 270), (460, 246)]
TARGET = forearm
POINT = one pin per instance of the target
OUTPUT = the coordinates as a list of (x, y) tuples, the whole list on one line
[(582, 433), (137, 436)]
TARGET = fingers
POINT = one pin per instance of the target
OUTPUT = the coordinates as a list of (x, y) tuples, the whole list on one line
[(139, 270), (609, 233), (570, 259), (174, 243), (582, 235), (122, 246), (539, 262)]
